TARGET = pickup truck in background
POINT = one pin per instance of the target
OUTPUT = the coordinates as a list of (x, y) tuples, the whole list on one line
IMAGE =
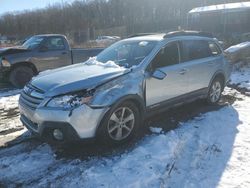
[(40, 52)]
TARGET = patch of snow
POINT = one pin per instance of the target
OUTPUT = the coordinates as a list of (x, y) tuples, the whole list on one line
[(241, 76), (155, 130), (23, 166), (9, 118), (9, 102), (109, 64)]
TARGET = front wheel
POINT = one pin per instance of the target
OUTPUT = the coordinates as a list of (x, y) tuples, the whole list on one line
[(120, 124), (20, 76), (215, 91)]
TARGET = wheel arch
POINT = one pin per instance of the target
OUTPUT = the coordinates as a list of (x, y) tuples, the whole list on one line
[(134, 98), (220, 75), (25, 63)]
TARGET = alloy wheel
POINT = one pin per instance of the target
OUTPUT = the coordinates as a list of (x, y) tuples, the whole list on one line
[(121, 123), (215, 92)]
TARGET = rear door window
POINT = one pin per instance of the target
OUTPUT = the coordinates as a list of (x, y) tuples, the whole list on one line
[(195, 49)]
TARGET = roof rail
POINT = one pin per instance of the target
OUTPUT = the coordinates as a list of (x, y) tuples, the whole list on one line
[(141, 34), (188, 33)]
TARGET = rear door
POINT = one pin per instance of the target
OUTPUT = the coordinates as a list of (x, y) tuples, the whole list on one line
[(174, 83), (53, 53), (202, 59)]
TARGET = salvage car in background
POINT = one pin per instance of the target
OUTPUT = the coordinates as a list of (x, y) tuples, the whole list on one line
[(107, 40), (239, 52), (41, 52)]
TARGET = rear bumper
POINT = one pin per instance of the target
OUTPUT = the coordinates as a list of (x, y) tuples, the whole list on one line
[(81, 123)]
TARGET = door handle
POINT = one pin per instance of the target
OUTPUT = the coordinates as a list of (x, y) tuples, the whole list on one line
[(64, 53), (183, 71)]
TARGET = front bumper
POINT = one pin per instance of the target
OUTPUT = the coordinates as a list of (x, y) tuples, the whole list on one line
[(80, 123)]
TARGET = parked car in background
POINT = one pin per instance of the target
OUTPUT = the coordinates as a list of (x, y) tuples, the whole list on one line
[(41, 52), (107, 40), (109, 96), (239, 52)]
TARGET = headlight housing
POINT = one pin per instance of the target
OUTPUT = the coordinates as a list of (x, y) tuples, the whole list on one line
[(71, 101), (4, 62)]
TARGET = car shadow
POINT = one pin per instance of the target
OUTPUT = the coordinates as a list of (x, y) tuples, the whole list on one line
[(204, 159)]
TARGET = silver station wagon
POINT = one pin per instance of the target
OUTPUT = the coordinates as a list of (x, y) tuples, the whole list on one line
[(109, 96)]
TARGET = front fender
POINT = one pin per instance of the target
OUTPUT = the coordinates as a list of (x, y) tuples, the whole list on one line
[(129, 86), (218, 73)]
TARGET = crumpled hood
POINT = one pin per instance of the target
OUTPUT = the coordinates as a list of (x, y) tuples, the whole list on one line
[(74, 78), (12, 50)]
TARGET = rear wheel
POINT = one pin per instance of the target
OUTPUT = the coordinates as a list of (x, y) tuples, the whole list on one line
[(215, 91), (21, 75), (120, 124)]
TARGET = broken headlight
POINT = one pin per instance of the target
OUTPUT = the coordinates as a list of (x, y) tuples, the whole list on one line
[(70, 101)]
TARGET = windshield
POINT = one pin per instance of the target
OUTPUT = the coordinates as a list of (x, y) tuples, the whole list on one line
[(127, 53), (33, 42)]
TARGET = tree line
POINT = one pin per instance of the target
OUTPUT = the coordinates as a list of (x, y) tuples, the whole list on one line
[(81, 15)]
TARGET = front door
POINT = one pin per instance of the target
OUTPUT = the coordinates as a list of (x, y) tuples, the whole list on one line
[(174, 83)]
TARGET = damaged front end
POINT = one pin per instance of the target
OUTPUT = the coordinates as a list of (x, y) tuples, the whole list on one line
[(131, 84)]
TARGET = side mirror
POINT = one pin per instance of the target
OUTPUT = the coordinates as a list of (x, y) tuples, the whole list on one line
[(158, 74)]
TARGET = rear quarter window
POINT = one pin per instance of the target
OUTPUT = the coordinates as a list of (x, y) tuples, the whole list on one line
[(198, 49)]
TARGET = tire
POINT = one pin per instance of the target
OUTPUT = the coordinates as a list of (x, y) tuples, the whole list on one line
[(115, 129), (215, 91), (20, 76)]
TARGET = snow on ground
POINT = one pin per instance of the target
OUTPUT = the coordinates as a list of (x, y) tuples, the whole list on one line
[(9, 108), (241, 76), (155, 129), (211, 150)]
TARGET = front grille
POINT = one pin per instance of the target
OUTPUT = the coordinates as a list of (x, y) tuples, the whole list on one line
[(31, 97)]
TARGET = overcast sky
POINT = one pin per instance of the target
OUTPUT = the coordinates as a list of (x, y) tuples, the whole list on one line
[(20, 5)]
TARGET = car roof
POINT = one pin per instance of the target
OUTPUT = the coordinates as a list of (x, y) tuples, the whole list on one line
[(175, 34), (49, 35), (148, 37)]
